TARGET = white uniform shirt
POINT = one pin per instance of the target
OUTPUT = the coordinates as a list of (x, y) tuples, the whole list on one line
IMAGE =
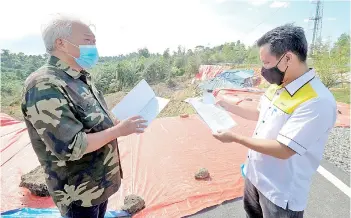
[(300, 116)]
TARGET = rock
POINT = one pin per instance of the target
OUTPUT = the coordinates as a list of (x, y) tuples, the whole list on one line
[(184, 115), (202, 174), (133, 204), (35, 182)]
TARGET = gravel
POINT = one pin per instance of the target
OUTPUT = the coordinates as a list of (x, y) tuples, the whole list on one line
[(337, 149)]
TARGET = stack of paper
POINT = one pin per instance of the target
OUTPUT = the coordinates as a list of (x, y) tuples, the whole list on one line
[(142, 101)]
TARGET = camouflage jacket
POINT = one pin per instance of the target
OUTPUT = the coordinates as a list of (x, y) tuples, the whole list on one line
[(61, 106)]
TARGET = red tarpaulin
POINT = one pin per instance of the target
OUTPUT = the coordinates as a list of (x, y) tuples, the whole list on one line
[(207, 72), (158, 165), (210, 71)]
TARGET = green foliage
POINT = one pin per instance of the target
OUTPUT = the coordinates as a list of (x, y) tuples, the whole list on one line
[(121, 73), (332, 62), (341, 53), (15, 68)]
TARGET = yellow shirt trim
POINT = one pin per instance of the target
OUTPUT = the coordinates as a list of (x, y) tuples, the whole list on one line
[(288, 103)]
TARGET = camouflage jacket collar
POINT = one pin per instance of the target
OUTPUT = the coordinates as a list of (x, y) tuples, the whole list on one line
[(53, 60)]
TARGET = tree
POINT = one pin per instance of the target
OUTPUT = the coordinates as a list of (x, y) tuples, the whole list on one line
[(116, 73), (144, 52), (252, 55), (324, 64), (341, 53), (166, 54), (192, 66)]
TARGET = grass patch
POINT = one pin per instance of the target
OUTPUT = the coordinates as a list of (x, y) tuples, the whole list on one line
[(342, 94)]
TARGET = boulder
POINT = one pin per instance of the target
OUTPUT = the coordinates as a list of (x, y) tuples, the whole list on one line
[(35, 182), (133, 204), (202, 174)]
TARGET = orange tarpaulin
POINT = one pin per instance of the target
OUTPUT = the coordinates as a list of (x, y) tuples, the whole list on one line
[(343, 118), (207, 72), (14, 137), (166, 158), (159, 166)]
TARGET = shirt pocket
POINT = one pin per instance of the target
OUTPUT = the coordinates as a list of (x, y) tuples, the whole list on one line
[(273, 121), (89, 112)]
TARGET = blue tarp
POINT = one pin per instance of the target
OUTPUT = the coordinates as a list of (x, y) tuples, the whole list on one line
[(51, 213), (229, 79), (236, 74)]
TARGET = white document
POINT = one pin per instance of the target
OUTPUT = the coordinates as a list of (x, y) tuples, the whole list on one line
[(215, 117), (208, 98), (142, 101)]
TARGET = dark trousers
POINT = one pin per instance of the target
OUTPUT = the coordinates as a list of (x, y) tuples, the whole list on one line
[(257, 205), (97, 211)]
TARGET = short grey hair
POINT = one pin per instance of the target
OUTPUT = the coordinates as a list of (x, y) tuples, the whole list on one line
[(59, 26)]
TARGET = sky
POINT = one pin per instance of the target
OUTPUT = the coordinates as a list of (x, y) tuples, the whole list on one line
[(123, 26)]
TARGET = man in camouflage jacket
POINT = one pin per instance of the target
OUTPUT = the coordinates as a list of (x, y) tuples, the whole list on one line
[(71, 130)]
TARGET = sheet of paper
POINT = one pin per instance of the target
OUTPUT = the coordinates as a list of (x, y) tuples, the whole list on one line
[(153, 108), (208, 98), (141, 100), (215, 117), (190, 99)]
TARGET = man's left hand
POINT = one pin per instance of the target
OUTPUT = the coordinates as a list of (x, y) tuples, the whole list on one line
[(224, 136)]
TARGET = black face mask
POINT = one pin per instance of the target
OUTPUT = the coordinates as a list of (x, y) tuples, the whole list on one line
[(274, 75)]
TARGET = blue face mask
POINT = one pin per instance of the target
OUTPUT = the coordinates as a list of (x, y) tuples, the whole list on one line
[(88, 57)]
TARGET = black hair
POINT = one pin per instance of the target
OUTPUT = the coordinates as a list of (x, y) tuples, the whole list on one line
[(286, 38)]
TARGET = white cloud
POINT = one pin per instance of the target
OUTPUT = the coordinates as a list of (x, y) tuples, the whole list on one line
[(250, 37), (331, 19), (306, 20), (221, 1), (257, 2), (250, 9), (279, 4), (121, 27)]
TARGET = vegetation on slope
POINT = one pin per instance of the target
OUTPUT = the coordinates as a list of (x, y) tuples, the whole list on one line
[(169, 72)]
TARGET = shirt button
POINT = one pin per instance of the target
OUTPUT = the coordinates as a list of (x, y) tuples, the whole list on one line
[(256, 133), (262, 121)]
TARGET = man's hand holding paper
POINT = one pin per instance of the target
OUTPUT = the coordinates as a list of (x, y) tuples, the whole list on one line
[(214, 116), (131, 125)]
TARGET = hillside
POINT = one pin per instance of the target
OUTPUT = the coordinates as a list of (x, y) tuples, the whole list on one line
[(180, 90), (170, 73), (177, 93)]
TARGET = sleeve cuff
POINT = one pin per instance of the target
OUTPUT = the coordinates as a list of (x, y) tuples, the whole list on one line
[(79, 146), (299, 149)]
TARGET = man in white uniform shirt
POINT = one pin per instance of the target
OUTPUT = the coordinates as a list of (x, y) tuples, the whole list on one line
[(294, 118)]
